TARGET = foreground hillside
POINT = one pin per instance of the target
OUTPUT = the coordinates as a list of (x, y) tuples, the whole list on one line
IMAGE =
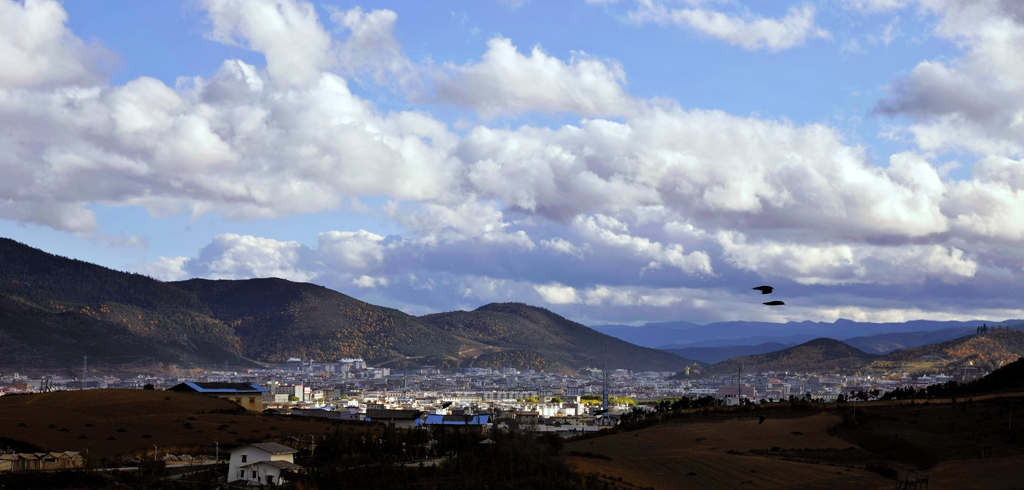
[(54, 311), (119, 423), (529, 337)]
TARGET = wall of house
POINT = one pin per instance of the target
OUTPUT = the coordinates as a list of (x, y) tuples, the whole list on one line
[(252, 455), (253, 401), (264, 471), (243, 456)]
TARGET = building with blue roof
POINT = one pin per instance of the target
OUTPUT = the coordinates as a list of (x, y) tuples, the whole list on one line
[(247, 395)]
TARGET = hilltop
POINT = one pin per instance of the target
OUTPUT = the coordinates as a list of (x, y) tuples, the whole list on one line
[(818, 355), (530, 337)]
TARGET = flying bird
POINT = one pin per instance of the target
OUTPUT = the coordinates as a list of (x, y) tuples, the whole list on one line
[(774, 303), (764, 289)]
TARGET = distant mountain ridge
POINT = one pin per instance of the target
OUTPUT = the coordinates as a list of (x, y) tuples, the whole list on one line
[(681, 335), (55, 310)]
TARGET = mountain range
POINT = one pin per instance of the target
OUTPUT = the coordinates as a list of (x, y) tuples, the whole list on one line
[(55, 311), (989, 350), (682, 335)]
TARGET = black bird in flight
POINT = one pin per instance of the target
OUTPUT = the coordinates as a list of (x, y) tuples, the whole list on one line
[(774, 303), (764, 289)]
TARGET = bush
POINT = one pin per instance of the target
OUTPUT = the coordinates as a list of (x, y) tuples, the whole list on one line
[(884, 470)]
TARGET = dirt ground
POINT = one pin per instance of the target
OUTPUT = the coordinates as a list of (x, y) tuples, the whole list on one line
[(725, 454), (977, 474), (117, 423)]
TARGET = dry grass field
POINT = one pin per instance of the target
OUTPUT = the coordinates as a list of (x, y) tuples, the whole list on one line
[(118, 423), (724, 454), (973, 443)]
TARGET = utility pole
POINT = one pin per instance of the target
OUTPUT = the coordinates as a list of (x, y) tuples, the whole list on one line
[(216, 454), (85, 369), (604, 391), (739, 376)]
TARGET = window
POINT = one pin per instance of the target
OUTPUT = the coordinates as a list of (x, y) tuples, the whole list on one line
[(244, 457), (270, 479), (254, 473), (241, 473)]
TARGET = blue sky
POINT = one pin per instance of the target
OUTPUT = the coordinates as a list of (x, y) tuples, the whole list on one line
[(616, 161)]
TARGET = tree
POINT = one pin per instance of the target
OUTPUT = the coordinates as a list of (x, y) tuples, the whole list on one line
[(556, 399)]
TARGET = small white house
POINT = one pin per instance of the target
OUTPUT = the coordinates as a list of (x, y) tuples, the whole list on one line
[(261, 463)]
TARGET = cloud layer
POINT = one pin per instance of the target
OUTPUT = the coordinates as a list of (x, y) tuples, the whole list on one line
[(636, 207)]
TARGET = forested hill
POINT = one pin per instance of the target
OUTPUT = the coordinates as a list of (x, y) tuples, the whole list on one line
[(535, 338), (55, 310), (32, 273)]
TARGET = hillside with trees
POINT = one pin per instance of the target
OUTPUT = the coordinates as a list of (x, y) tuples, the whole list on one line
[(818, 355), (990, 348)]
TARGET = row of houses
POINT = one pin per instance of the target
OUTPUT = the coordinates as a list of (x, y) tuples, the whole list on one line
[(41, 461)]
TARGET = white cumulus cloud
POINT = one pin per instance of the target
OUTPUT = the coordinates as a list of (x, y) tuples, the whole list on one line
[(748, 31)]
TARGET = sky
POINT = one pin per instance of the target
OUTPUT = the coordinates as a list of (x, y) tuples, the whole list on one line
[(615, 161)]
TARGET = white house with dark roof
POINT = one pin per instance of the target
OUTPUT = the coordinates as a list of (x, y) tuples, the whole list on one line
[(261, 463)]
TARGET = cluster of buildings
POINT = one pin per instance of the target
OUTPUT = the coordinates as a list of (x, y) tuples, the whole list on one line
[(472, 398), (349, 388), (40, 461)]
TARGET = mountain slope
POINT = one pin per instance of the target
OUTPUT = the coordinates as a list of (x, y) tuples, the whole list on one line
[(531, 337), (683, 334), (990, 350), (56, 310), (818, 355), (887, 342)]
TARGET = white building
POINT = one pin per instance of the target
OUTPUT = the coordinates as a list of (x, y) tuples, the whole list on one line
[(261, 463)]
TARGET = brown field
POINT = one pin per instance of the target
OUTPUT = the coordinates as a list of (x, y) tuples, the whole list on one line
[(821, 446), (977, 474), (118, 423), (725, 454)]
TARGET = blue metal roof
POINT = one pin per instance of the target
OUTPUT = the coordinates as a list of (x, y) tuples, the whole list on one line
[(225, 387), (438, 419)]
